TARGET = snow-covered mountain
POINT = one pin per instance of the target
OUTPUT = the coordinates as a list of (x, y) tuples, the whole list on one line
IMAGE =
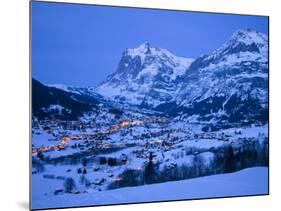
[(51, 101), (70, 103), (86, 91), (145, 76), (231, 82)]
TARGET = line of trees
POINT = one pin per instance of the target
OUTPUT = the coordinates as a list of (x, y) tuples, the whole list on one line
[(226, 159)]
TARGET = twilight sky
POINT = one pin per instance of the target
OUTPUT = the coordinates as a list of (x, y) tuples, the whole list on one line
[(80, 45)]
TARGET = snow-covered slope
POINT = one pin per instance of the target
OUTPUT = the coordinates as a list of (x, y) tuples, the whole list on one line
[(145, 76), (252, 181), (50, 101), (87, 91), (232, 81)]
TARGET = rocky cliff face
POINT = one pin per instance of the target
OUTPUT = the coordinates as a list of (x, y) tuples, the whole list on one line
[(145, 76), (231, 82)]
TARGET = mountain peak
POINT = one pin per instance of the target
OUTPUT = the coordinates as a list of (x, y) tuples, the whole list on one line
[(142, 49), (142, 73), (144, 45), (248, 36), (244, 40)]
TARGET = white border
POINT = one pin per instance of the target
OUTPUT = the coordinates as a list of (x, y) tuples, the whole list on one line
[(14, 86)]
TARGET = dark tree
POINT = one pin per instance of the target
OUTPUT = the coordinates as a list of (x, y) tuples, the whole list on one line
[(103, 160), (128, 178), (84, 162), (112, 161), (40, 155), (69, 185), (229, 160), (198, 166), (79, 171), (149, 171), (240, 158)]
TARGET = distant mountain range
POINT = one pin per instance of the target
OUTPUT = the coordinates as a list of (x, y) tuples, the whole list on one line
[(230, 84)]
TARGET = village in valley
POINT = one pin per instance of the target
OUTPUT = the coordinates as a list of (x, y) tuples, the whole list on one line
[(105, 151)]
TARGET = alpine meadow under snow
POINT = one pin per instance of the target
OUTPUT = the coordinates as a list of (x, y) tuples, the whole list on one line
[(160, 127)]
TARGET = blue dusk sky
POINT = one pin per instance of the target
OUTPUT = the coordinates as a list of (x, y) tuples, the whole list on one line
[(81, 45)]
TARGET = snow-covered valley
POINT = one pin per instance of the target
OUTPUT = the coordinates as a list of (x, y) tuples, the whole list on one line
[(135, 151), (178, 128)]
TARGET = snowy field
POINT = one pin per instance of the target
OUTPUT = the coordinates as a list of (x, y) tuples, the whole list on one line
[(105, 164), (251, 181)]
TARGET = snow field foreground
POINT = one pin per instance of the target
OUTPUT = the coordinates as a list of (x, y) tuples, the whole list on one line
[(250, 181)]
